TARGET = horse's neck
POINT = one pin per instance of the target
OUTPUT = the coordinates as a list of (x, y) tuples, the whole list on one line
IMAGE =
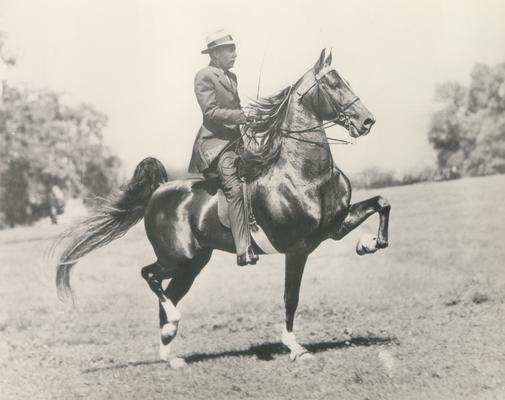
[(308, 158)]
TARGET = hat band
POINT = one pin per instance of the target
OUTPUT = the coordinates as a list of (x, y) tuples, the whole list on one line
[(219, 41)]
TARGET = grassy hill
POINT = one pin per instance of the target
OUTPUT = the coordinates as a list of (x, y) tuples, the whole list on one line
[(427, 314)]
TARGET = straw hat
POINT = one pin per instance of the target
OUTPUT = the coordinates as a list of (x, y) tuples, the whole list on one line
[(216, 39)]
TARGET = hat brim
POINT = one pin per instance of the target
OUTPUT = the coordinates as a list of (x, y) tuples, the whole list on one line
[(206, 51)]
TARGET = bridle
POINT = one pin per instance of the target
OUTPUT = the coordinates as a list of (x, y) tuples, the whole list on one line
[(342, 117)]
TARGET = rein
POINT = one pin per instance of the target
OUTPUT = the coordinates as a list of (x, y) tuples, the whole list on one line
[(331, 140), (341, 118)]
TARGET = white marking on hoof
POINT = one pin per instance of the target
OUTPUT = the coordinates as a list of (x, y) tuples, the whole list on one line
[(298, 352), (289, 339), (164, 351), (169, 330), (367, 244), (177, 363)]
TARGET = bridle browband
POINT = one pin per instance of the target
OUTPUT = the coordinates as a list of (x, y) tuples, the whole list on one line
[(341, 118)]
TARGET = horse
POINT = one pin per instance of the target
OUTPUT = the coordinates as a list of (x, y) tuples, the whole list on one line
[(299, 197)]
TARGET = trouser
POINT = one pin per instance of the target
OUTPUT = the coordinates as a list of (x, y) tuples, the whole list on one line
[(232, 188)]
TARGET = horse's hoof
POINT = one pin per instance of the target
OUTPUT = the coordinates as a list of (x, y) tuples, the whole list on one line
[(367, 244), (168, 332), (177, 363), (301, 355), (360, 251)]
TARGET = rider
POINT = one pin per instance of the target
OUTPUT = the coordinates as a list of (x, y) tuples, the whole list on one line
[(214, 147)]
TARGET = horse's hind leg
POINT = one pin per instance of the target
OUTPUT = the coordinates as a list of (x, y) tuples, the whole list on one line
[(181, 280), (154, 274)]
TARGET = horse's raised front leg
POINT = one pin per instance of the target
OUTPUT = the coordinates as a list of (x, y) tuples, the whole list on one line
[(358, 213), (295, 264)]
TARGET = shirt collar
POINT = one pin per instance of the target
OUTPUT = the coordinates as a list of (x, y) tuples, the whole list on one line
[(225, 71)]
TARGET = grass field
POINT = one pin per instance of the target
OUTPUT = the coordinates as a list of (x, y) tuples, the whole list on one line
[(427, 314)]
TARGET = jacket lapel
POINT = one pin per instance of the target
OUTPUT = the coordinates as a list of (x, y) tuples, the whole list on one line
[(227, 83), (233, 81)]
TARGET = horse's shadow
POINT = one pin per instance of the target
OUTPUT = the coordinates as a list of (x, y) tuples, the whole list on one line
[(265, 351)]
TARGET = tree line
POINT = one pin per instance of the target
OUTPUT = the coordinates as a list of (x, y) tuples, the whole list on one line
[(467, 133), (49, 149)]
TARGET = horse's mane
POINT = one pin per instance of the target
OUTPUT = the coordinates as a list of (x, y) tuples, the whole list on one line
[(262, 146)]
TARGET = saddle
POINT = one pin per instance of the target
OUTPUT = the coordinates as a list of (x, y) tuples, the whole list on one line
[(259, 237), (257, 234)]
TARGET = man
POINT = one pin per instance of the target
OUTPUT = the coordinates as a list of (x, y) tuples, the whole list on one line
[(214, 148)]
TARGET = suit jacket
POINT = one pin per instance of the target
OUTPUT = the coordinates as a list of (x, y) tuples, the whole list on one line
[(218, 98)]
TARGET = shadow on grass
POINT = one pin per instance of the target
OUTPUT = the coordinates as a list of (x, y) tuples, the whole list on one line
[(265, 351)]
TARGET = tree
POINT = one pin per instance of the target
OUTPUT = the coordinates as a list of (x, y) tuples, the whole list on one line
[(468, 133), (7, 59), (43, 144), (373, 178), (98, 179)]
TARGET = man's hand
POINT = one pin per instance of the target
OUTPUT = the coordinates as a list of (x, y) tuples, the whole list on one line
[(242, 119), (255, 123)]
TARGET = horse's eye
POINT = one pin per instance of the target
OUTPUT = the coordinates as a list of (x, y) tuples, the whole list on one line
[(333, 80)]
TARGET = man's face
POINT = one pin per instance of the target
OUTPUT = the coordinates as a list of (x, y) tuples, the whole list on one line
[(224, 56)]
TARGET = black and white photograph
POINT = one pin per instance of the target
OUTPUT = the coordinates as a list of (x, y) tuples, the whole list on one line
[(252, 199)]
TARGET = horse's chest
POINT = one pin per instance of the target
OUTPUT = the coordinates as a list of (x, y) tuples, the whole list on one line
[(287, 211)]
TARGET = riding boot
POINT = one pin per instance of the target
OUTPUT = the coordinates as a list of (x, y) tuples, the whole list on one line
[(232, 188), (251, 258)]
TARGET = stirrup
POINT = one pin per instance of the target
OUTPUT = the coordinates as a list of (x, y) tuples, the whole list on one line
[(252, 256), (249, 257)]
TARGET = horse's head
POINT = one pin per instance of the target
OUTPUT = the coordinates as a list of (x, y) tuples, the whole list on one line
[(331, 98)]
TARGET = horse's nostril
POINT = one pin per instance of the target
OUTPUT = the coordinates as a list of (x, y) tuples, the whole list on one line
[(368, 122)]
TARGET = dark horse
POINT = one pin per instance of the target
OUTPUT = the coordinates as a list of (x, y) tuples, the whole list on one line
[(299, 197)]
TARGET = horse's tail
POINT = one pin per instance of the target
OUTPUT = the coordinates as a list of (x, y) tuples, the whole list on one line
[(111, 220)]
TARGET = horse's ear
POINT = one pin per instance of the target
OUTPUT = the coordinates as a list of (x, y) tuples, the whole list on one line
[(320, 63), (328, 59)]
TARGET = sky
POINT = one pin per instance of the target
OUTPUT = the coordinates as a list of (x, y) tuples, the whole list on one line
[(136, 60)]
